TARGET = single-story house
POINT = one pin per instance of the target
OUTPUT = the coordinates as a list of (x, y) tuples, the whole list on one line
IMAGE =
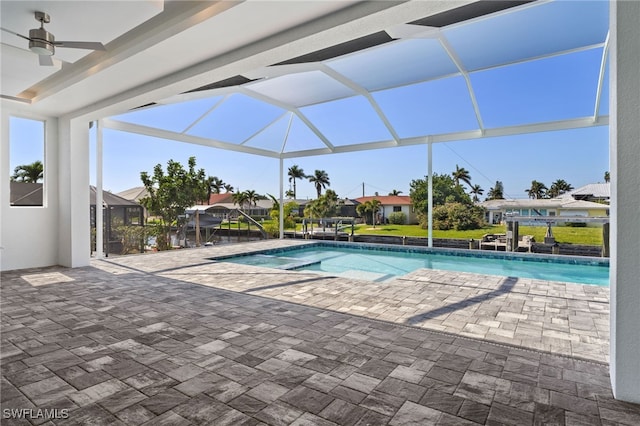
[(497, 210), (391, 204)]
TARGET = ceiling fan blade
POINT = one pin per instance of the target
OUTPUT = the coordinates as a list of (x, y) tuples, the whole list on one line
[(15, 33), (45, 60), (92, 45)]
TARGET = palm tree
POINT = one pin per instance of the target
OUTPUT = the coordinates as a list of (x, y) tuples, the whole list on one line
[(558, 188), (607, 177), (476, 190), (240, 198), (29, 173), (228, 187), (369, 207), (207, 184), (290, 194), (395, 192), (216, 184), (252, 197), (320, 179), (295, 172), (537, 190), (461, 174), (497, 192), (374, 206)]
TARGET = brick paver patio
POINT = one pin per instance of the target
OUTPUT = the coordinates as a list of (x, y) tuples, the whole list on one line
[(173, 338)]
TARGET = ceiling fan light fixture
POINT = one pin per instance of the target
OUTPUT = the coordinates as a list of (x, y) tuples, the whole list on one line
[(41, 48), (41, 42)]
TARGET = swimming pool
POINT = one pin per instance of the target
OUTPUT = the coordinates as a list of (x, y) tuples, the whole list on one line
[(375, 262)]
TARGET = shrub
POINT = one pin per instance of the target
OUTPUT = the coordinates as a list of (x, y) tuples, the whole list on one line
[(397, 218), (458, 216), (576, 224), (132, 237), (272, 228)]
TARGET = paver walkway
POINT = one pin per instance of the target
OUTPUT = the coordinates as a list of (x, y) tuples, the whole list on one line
[(140, 340)]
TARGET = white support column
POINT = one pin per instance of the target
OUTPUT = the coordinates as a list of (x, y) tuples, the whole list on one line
[(281, 225), (624, 134), (430, 194), (99, 198), (74, 242)]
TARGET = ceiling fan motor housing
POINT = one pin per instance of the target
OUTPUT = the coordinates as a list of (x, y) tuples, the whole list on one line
[(41, 42)]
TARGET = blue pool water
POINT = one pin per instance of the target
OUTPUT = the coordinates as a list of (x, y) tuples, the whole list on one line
[(379, 264)]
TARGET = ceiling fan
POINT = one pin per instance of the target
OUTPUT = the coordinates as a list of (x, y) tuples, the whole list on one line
[(43, 43)]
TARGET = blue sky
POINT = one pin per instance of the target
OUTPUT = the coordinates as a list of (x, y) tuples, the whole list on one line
[(578, 156), (560, 87)]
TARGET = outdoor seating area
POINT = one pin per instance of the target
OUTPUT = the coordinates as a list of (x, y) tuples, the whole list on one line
[(494, 242), (172, 338)]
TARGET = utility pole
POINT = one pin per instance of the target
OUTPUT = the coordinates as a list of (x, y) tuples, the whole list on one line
[(363, 189)]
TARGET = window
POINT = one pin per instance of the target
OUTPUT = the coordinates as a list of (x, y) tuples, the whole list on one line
[(26, 161), (397, 208)]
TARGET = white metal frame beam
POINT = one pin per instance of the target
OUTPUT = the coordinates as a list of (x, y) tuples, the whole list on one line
[(603, 68), (363, 92), (99, 195), (577, 123), (202, 117), (181, 137), (453, 55), (248, 92), (264, 128)]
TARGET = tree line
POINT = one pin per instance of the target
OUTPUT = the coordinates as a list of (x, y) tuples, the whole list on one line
[(173, 191)]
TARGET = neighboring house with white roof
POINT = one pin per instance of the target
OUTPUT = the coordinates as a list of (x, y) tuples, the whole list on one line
[(596, 192), (391, 204), (134, 194), (553, 207)]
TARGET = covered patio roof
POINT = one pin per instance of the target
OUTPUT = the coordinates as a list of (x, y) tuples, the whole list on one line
[(481, 70)]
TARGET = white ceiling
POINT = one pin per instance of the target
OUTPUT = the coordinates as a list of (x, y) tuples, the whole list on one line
[(98, 21), (146, 41)]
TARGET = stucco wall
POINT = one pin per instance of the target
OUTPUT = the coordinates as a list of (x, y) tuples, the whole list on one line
[(407, 210), (624, 151), (28, 235)]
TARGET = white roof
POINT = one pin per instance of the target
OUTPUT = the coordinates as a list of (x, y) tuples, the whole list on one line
[(198, 207), (581, 205), (550, 203), (133, 194), (596, 190)]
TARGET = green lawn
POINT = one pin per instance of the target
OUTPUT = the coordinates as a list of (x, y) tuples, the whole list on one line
[(562, 234)]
